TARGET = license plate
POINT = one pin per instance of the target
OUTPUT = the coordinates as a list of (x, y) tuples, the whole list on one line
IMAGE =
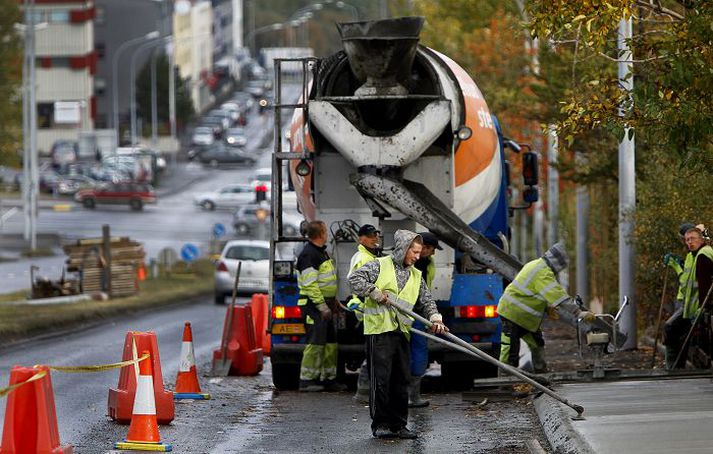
[(288, 328)]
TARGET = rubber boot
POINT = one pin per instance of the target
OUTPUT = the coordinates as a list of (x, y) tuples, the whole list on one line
[(538, 360), (362, 391), (414, 394)]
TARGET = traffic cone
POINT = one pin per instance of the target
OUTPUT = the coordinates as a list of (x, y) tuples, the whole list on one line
[(30, 415), (141, 273), (143, 430), (187, 386)]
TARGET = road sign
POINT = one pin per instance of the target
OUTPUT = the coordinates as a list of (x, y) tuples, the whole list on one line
[(167, 257), (218, 230), (189, 252)]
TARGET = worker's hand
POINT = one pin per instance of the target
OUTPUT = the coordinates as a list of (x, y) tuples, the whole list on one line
[(378, 296), (354, 304), (587, 316), (437, 326), (552, 313), (325, 311), (669, 259)]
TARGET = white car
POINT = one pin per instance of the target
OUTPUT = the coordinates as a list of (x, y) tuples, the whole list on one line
[(202, 135), (230, 196), (254, 271)]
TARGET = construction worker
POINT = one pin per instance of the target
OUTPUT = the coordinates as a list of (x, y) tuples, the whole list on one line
[(317, 281), (367, 251), (533, 294), (419, 345), (392, 278), (671, 327), (698, 272)]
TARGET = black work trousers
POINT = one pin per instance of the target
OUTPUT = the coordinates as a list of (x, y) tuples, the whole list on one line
[(389, 358), (675, 331)]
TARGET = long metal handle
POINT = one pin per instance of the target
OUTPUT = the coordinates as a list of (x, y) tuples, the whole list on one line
[(487, 358), (693, 325)]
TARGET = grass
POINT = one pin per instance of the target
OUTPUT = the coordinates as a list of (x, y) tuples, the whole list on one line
[(39, 252), (22, 321)]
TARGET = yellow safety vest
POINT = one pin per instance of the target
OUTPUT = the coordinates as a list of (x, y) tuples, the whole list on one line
[(683, 276), (380, 318), (525, 300), (361, 258), (430, 273), (317, 285), (690, 291)]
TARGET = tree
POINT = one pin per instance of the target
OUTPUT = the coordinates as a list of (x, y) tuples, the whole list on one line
[(10, 81), (184, 105)]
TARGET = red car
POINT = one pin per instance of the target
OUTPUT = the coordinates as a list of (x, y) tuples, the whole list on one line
[(134, 194)]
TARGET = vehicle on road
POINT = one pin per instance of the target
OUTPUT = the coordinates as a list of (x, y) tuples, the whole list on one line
[(136, 195), (202, 135), (230, 196), (70, 184), (220, 153), (256, 88), (63, 153), (235, 137), (254, 270), (216, 124), (225, 115), (247, 220)]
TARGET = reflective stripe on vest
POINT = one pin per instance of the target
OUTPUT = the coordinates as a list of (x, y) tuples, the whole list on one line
[(690, 291), (383, 319), (360, 258), (525, 300)]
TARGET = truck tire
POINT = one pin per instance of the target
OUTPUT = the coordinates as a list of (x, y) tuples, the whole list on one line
[(459, 375), (286, 376), (136, 204), (89, 203)]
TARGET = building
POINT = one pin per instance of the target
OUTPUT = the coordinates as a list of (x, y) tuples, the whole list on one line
[(117, 23), (222, 29), (193, 48), (66, 63)]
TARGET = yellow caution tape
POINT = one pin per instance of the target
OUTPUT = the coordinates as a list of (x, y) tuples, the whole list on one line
[(5, 391), (99, 368)]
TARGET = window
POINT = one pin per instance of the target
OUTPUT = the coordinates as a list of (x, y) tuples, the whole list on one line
[(99, 17), (45, 114), (101, 50), (248, 253), (59, 17), (99, 86), (37, 17)]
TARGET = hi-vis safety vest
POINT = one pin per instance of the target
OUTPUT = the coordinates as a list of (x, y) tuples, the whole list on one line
[(526, 298), (317, 285), (684, 275), (380, 318), (690, 291), (430, 273), (361, 258)]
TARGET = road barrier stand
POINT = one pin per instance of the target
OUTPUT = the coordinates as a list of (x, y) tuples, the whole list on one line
[(121, 399), (242, 348), (187, 386), (143, 431), (259, 304)]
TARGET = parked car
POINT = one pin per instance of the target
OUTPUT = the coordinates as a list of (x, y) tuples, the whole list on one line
[(254, 270), (231, 196), (136, 195), (224, 115), (244, 100), (236, 137), (215, 124), (63, 153), (202, 135), (256, 88), (221, 154), (237, 114), (70, 184), (246, 222)]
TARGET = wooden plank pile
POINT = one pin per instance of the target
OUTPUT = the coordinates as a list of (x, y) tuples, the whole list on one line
[(89, 259)]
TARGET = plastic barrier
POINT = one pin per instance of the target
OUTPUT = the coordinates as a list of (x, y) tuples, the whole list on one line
[(30, 415), (121, 400), (242, 348), (260, 309)]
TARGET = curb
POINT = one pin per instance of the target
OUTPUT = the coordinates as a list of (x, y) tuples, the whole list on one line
[(559, 429)]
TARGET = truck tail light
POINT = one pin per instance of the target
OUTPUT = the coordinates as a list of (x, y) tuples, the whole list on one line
[(221, 266), (282, 312), (476, 311)]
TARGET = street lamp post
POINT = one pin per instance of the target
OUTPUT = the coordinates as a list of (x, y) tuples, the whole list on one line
[(114, 76), (132, 86)]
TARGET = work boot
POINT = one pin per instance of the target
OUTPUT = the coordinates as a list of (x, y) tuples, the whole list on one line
[(310, 386), (334, 386), (406, 434), (414, 394), (383, 432)]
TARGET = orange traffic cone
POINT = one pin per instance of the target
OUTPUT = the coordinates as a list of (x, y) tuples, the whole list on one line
[(143, 430), (187, 386)]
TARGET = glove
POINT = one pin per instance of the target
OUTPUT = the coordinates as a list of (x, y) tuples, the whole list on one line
[(378, 296), (324, 311), (437, 326), (669, 259), (587, 316), (552, 313), (353, 304)]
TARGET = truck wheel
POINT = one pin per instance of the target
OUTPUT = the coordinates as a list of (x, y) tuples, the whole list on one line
[(136, 204), (286, 375), (459, 375), (88, 203)]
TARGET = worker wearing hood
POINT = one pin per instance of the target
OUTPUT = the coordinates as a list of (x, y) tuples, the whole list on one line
[(392, 278)]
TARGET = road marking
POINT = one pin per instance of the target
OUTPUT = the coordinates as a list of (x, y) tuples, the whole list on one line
[(63, 207)]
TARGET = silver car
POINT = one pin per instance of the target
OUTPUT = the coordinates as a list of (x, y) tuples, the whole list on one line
[(254, 272)]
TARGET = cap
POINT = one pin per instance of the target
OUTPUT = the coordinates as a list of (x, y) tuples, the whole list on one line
[(556, 257), (368, 229), (429, 239), (685, 227)]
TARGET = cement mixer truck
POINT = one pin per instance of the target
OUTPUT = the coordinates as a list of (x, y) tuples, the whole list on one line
[(392, 133)]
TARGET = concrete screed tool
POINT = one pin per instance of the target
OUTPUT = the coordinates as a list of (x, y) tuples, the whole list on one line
[(459, 344)]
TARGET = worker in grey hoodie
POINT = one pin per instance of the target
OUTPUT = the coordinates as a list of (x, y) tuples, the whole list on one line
[(392, 279)]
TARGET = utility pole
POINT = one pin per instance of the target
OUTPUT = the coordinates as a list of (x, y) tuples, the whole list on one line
[(552, 187), (34, 170), (627, 191), (582, 239), (172, 94), (154, 101), (26, 125)]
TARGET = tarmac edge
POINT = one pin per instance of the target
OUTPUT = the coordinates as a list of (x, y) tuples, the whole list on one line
[(557, 424)]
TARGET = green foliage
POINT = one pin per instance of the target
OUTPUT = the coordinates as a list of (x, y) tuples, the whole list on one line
[(184, 105), (10, 81)]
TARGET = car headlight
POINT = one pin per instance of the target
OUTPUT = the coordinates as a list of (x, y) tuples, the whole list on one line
[(231, 139)]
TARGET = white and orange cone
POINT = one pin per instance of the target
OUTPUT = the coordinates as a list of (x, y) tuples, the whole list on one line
[(143, 430), (187, 386)]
